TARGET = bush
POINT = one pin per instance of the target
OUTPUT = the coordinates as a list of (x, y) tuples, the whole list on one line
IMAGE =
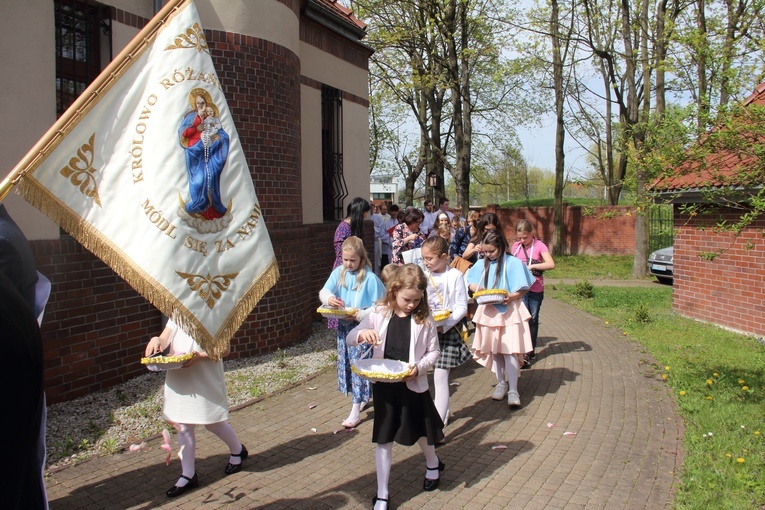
[(584, 290), (641, 313)]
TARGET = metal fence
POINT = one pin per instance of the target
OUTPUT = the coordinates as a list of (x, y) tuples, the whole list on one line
[(661, 231)]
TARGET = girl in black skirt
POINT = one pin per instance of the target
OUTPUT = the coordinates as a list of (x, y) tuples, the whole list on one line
[(400, 328)]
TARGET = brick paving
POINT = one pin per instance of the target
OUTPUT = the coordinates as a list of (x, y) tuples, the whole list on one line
[(588, 379)]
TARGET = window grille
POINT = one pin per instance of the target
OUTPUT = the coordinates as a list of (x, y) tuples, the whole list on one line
[(334, 188)]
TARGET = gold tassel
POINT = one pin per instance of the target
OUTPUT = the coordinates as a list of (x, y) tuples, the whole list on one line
[(103, 248)]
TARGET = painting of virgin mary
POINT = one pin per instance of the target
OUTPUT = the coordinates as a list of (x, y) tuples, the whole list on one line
[(206, 150)]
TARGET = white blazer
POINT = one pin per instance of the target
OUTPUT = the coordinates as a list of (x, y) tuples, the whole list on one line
[(423, 344)]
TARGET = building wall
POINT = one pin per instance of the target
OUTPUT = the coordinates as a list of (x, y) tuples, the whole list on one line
[(727, 290), (586, 230), (28, 96), (327, 60), (96, 326)]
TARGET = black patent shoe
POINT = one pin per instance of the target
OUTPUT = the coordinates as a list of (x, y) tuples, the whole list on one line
[(235, 468), (376, 499), (176, 490), (431, 485)]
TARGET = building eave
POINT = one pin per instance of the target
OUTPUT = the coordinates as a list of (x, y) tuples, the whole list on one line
[(318, 12)]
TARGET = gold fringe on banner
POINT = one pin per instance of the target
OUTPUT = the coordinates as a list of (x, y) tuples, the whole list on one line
[(103, 248)]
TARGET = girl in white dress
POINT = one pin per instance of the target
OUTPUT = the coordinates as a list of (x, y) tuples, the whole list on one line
[(195, 395)]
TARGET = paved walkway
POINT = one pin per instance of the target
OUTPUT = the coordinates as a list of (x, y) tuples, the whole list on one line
[(588, 379)]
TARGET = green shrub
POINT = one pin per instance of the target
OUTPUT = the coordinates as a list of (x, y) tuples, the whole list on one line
[(641, 313), (584, 290)]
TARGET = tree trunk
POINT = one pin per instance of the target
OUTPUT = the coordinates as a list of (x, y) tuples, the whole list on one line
[(560, 132)]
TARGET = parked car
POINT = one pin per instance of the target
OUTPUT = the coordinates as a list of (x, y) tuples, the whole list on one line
[(661, 265)]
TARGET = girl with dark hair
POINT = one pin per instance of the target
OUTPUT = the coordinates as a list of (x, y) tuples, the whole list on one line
[(352, 225), (407, 234), (488, 221), (502, 333)]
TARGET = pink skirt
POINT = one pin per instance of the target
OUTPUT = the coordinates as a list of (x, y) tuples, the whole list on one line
[(501, 333)]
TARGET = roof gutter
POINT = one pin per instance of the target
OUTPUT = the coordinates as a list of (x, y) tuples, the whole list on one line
[(338, 24)]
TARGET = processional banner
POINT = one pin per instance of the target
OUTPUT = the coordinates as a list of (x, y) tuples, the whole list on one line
[(147, 171)]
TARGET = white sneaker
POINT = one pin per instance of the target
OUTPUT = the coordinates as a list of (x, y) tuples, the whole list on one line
[(500, 390), (513, 399)]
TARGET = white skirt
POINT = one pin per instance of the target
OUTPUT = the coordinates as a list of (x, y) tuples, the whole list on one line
[(197, 394), (194, 395)]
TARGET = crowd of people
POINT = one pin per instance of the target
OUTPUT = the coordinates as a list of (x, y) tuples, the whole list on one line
[(413, 302), (430, 263)]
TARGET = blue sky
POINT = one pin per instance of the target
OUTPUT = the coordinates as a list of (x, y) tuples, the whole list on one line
[(539, 148)]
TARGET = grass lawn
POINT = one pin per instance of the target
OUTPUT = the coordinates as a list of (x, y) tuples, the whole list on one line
[(598, 267), (718, 379)]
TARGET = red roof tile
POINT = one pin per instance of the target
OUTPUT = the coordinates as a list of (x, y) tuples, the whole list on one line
[(342, 12)]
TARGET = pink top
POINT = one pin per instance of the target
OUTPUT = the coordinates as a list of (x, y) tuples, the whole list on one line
[(533, 252)]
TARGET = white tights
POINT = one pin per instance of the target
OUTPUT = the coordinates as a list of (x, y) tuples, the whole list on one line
[(507, 368), (187, 440), (441, 383), (383, 462)]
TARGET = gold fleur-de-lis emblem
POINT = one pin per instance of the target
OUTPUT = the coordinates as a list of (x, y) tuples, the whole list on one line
[(80, 171), (210, 288), (193, 38)]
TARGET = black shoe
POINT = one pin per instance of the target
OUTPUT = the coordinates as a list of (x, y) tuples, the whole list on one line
[(235, 468), (176, 490), (431, 485), (526, 362), (532, 355), (376, 499)]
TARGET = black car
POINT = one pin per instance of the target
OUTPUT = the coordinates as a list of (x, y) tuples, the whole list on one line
[(660, 264)]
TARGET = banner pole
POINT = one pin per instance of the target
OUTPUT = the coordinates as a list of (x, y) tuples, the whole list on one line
[(81, 105)]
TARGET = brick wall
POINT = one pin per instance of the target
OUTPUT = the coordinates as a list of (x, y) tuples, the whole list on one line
[(728, 290), (608, 230)]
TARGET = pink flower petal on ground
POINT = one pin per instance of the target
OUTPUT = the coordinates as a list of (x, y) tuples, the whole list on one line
[(312, 387), (567, 433), (138, 447), (551, 425), (313, 430), (455, 383), (499, 447), (311, 405)]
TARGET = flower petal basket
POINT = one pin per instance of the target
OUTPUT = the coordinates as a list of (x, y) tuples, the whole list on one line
[(162, 363), (381, 370), (490, 296), (347, 314), (441, 315)]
